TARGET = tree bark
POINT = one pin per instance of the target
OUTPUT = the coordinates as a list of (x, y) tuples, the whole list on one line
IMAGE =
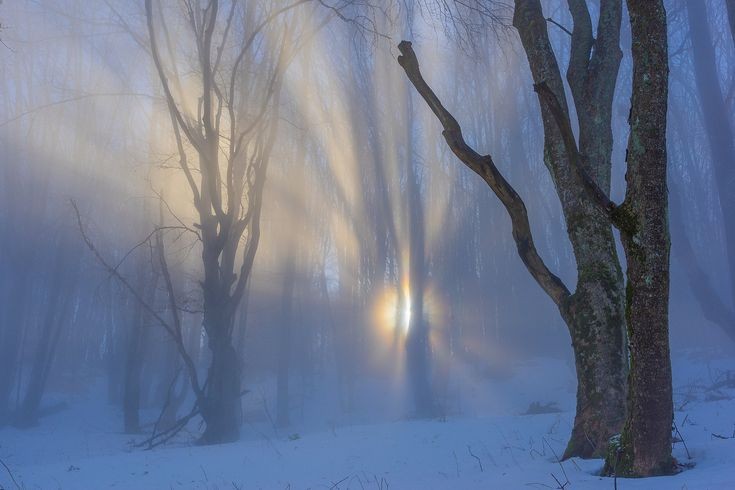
[(644, 447), (221, 405), (594, 314)]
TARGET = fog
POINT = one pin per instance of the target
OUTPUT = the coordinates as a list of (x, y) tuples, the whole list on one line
[(295, 227)]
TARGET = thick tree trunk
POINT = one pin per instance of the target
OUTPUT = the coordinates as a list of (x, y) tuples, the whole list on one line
[(595, 312), (221, 410), (644, 447), (597, 340)]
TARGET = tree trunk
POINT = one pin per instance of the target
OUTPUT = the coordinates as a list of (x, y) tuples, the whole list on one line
[(221, 410), (10, 336), (731, 17), (133, 367), (418, 349), (644, 447), (594, 314), (284, 346), (597, 341), (59, 296)]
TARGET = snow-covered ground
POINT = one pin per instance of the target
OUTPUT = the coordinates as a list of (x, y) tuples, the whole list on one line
[(79, 448)]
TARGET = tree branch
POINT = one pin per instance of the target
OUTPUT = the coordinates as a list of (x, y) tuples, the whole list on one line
[(484, 166), (570, 144), (170, 329)]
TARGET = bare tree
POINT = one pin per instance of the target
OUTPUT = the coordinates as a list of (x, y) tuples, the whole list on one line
[(719, 132), (641, 219), (731, 16), (232, 137), (594, 312)]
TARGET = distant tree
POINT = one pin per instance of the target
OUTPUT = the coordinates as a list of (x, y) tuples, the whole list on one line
[(230, 127), (731, 17), (718, 128)]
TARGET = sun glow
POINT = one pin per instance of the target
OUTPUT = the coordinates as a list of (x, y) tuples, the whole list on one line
[(393, 310), (404, 320)]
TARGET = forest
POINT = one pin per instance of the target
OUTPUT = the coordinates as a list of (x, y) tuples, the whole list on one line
[(367, 244)]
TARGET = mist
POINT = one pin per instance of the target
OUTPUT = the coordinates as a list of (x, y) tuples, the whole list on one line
[(240, 248)]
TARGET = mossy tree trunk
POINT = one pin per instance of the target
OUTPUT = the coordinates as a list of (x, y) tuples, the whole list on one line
[(644, 447), (594, 314)]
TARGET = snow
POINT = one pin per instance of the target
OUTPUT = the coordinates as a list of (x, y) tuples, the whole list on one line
[(79, 449)]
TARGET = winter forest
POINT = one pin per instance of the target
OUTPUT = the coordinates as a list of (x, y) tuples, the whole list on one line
[(367, 244)]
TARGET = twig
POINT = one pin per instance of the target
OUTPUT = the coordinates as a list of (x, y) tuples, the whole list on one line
[(335, 485), (10, 473), (557, 459), (721, 437), (549, 19), (169, 433), (172, 330), (479, 462), (166, 403), (681, 438), (560, 485)]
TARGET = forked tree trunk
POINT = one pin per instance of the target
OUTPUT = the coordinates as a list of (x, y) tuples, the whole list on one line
[(594, 314)]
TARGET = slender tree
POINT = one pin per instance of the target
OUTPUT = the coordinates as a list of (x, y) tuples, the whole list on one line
[(228, 195), (716, 118)]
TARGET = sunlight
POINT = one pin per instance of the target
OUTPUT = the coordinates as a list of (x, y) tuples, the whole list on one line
[(405, 313), (393, 311)]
